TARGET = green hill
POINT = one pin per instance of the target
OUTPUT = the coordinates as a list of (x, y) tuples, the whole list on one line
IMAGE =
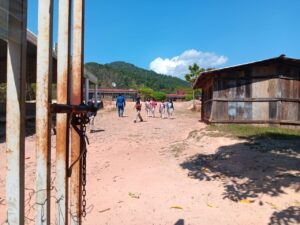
[(126, 75)]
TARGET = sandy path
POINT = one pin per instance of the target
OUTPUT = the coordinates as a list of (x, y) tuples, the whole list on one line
[(145, 173), (133, 158)]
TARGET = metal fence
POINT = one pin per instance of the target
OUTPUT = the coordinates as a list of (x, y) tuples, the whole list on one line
[(69, 110)]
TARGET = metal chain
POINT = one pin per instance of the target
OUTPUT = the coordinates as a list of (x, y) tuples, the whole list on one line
[(81, 121), (83, 166)]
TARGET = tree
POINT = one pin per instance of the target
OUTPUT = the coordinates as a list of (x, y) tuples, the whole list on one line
[(195, 71), (159, 95), (191, 77), (146, 92)]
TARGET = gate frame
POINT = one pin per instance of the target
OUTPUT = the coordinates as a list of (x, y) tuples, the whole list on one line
[(15, 110), (15, 131)]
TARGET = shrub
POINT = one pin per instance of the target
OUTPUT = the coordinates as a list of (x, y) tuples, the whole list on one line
[(146, 92), (189, 97), (158, 95)]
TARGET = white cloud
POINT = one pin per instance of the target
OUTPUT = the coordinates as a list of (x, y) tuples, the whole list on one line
[(178, 65)]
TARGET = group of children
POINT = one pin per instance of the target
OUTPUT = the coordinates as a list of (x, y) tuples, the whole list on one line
[(164, 107)]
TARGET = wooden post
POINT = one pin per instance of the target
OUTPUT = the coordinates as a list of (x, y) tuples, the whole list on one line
[(279, 103), (15, 110)]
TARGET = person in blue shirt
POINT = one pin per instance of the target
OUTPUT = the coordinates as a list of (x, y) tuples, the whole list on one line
[(120, 103)]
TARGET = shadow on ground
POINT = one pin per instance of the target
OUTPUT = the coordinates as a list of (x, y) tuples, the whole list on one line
[(291, 215), (260, 166), (179, 222)]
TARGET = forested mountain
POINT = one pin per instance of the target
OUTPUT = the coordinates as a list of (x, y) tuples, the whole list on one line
[(126, 75)]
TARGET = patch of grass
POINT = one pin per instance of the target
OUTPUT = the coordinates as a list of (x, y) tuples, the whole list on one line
[(177, 149), (249, 131)]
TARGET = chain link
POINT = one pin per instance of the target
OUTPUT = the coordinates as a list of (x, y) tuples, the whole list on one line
[(81, 120), (83, 166)]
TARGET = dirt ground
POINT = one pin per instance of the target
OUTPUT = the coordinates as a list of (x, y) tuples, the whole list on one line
[(177, 172)]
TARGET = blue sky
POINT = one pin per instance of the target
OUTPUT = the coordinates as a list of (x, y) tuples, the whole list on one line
[(167, 35)]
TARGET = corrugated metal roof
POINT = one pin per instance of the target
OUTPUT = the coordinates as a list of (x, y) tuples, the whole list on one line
[(281, 58)]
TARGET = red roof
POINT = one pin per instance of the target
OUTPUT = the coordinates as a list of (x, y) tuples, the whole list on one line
[(114, 90), (176, 95), (180, 92)]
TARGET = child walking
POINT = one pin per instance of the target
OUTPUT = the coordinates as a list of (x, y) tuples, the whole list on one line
[(91, 115), (153, 105), (138, 107), (170, 108), (162, 109), (148, 107)]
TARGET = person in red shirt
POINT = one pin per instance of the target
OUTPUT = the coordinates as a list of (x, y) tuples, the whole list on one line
[(153, 104), (138, 107)]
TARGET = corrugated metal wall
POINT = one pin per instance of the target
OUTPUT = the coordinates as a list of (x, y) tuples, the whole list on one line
[(260, 94)]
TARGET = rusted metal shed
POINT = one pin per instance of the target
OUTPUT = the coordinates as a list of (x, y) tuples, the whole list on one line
[(262, 92)]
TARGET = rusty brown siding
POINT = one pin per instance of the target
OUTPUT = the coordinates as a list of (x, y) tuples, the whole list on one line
[(207, 103), (266, 93)]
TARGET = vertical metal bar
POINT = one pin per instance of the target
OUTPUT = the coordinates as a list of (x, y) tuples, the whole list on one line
[(87, 89), (15, 108), (202, 105), (77, 78), (62, 135), (96, 94), (43, 117)]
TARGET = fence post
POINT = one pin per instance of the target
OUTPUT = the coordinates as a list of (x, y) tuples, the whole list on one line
[(87, 89), (62, 130), (15, 110), (43, 117), (77, 78), (96, 94)]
